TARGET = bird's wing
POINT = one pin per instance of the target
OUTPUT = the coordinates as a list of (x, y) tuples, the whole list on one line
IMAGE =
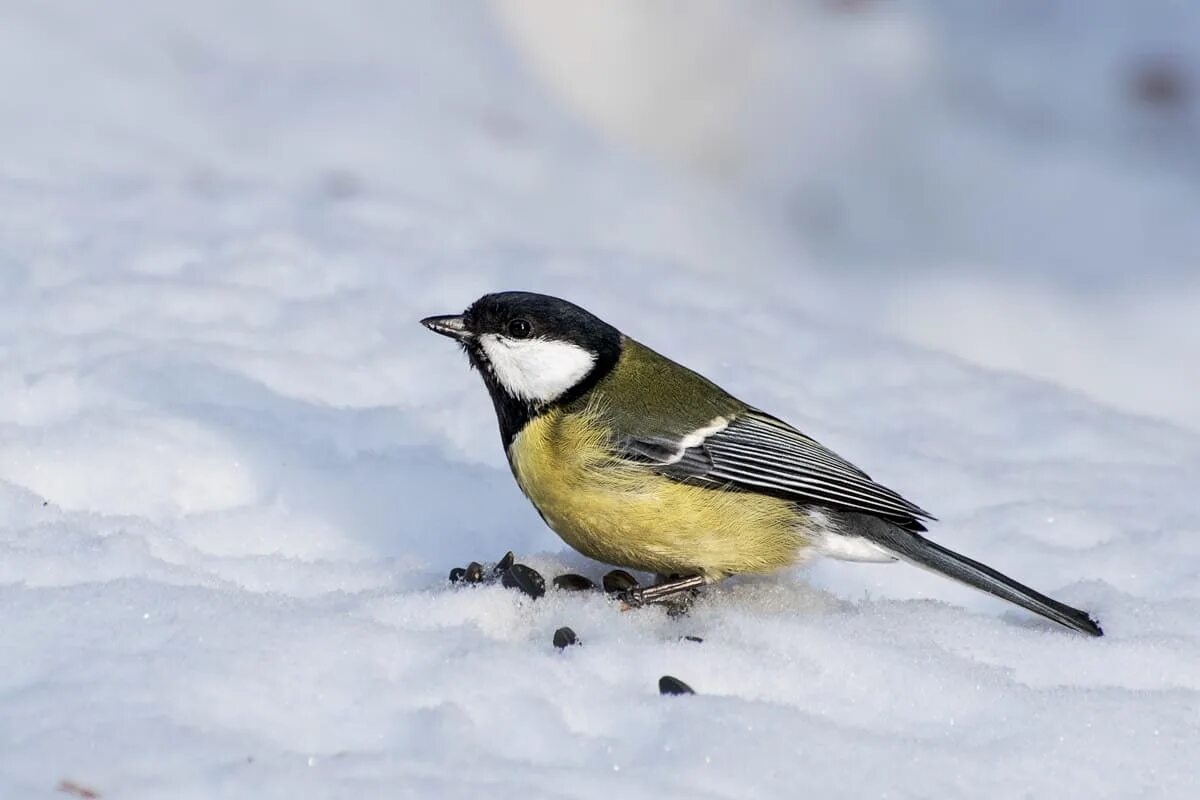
[(757, 452)]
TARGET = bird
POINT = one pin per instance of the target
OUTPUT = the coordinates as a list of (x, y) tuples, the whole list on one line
[(637, 461)]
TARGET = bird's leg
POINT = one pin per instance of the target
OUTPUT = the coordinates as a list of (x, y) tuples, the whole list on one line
[(665, 588)]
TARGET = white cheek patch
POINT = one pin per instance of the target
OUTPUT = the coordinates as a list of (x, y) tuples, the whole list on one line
[(536, 370)]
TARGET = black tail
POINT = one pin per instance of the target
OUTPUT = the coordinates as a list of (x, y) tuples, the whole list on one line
[(932, 556)]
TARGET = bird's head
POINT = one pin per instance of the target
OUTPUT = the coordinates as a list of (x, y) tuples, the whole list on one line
[(532, 349)]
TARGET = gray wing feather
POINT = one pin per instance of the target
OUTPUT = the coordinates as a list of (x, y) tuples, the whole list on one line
[(757, 452)]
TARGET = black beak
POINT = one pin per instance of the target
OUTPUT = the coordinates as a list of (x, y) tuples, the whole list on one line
[(448, 325)]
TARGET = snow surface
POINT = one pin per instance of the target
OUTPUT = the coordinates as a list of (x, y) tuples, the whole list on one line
[(234, 471)]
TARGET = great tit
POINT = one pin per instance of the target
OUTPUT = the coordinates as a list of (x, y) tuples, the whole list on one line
[(639, 462)]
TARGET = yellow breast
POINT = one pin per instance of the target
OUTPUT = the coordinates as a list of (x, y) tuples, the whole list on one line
[(622, 513)]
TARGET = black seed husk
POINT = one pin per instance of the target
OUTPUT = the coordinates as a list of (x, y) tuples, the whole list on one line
[(565, 637), (670, 685), (570, 582), (527, 579), (503, 563), (619, 581), (696, 639), (457, 574), (474, 572)]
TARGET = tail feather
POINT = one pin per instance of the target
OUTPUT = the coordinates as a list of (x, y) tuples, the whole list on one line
[(918, 550)]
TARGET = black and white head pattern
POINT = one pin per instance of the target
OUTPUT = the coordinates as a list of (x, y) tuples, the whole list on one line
[(534, 350)]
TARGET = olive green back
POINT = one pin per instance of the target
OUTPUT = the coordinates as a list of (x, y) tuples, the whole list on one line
[(648, 395)]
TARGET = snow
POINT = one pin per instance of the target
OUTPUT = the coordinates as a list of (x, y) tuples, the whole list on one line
[(234, 470)]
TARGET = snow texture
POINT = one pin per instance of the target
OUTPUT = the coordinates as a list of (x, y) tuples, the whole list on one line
[(234, 470)]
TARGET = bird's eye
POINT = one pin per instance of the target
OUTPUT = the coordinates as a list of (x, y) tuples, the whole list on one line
[(519, 328)]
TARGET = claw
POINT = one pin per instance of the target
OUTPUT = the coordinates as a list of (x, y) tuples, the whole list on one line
[(633, 597)]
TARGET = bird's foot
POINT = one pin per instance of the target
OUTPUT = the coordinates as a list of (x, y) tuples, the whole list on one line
[(676, 592)]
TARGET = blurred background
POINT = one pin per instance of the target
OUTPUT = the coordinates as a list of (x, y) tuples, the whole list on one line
[(1015, 182)]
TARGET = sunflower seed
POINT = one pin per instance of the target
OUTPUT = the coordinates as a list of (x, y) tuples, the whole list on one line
[(474, 573), (527, 579), (565, 637), (670, 685), (503, 563), (619, 581), (457, 574), (570, 582)]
